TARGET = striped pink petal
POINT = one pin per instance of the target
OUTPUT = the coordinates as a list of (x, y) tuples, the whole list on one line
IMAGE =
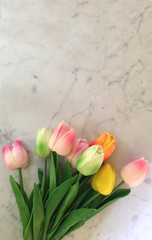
[(65, 143), (80, 145), (54, 135), (135, 172), (8, 157), (20, 154)]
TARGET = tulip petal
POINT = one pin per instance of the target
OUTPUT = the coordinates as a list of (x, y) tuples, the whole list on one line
[(64, 145), (42, 139), (102, 140), (107, 141), (77, 155), (73, 150), (103, 181), (54, 135), (8, 157), (63, 130), (79, 146), (109, 150), (19, 154), (90, 160), (135, 172)]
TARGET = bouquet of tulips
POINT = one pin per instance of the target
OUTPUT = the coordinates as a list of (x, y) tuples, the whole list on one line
[(63, 200)]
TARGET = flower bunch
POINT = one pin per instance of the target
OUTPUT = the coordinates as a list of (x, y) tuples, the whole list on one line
[(63, 201)]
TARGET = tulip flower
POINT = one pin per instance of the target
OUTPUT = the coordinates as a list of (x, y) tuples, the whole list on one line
[(79, 146), (62, 139), (15, 156), (135, 172), (103, 181), (107, 141), (42, 143), (90, 160)]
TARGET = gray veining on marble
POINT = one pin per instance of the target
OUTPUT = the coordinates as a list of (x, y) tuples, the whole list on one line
[(90, 63)]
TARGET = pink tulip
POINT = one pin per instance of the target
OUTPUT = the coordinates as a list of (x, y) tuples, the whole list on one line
[(135, 172), (62, 139), (80, 145), (15, 156)]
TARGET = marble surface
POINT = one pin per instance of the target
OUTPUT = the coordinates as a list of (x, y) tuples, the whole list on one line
[(90, 63)]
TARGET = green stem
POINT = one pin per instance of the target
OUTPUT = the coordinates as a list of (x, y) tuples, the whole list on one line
[(44, 177), (84, 181), (97, 194), (118, 186), (90, 199), (78, 177), (56, 163), (20, 179)]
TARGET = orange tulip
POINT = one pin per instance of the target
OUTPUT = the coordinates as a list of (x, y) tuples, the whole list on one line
[(107, 141)]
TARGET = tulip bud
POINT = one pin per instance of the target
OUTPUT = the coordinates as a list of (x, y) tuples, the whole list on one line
[(62, 139), (135, 172), (107, 141), (15, 156), (79, 146), (103, 181), (90, 160), (42, 143)]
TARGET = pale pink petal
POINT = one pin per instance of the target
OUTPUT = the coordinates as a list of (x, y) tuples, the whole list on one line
[(135, 172), (64, 145), (77, 155), (54, 135), (81, 145), (19, 154), (63, 130), (8, 157), (73, 150)]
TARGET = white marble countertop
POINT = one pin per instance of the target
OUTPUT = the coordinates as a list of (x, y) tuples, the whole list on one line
[(90, 63)]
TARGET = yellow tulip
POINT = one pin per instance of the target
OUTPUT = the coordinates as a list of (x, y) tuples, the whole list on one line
[(103, 181)]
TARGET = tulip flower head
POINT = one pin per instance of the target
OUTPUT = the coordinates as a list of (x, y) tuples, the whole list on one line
[(107, 141), (15, 156), (79, 146), (42, 142), (103, 181), (62, 139), (90, 160), (135, 172)]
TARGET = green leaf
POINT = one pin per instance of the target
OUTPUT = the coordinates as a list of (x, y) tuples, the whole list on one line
[(75, 227), (84, 180), (66, 203), (31, 200), (81, 197), (22, 206), (28, 231), (24, 195), (70, 220), (52, 175), (120, 193), (38, 213), (111, 199), (46, 195), (26, 199), (40, 176), (56, 161), (94, 203), (67, 173), (59, 175), (54, 200)]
